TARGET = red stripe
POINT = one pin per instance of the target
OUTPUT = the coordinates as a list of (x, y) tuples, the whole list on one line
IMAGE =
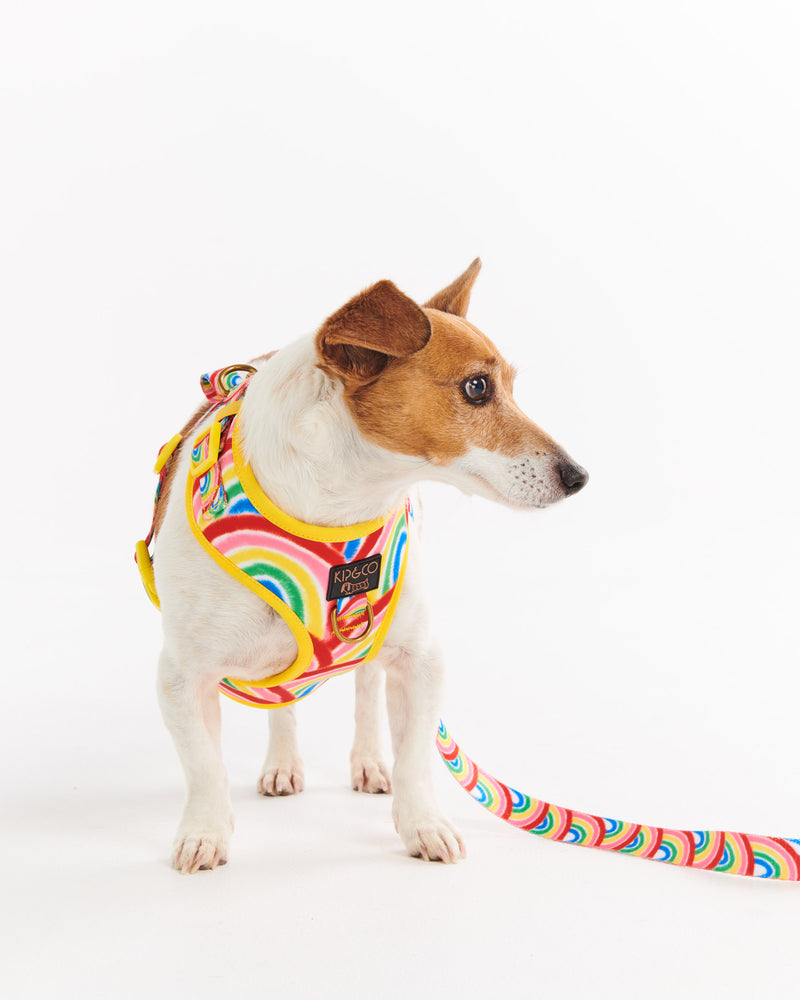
[(330, 552), (538, 816), (568, 826), (719, 852), (690, 837), (509, 803), (284, 695), (789, 850), (636, 830), (751, 861), (600, 831), (654, 849)]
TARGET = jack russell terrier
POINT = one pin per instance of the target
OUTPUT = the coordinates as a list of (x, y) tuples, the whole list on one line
[(286, 548)]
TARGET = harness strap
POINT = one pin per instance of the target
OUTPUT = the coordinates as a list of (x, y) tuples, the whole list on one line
[(218, 386)]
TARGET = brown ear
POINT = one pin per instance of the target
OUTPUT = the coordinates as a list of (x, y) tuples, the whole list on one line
[(355, 343), (455, 298)]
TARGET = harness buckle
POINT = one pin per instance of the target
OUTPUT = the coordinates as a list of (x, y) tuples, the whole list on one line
[(205, 450)]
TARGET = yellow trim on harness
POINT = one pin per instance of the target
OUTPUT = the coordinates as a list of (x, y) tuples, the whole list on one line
[(263, 504), (376, 639), (145, 565), (305, 648), (166, 451)]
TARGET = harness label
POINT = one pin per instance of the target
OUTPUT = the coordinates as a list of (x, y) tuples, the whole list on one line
[(354, 578)]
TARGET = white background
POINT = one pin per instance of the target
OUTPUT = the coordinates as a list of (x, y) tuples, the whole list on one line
[(185, 185)]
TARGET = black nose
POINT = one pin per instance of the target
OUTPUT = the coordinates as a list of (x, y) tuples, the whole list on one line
[(573, 477)]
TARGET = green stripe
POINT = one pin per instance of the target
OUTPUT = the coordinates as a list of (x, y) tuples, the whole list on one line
[(293, 595), (234, 488)]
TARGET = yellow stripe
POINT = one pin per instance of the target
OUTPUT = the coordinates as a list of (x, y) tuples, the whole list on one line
[(305, 648), (299, 574)]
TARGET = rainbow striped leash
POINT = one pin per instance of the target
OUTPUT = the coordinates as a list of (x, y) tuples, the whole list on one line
[(713, 850)]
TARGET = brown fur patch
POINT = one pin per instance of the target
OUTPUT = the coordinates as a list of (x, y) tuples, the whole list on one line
[(417, 406), (356, 342), (455, 298)]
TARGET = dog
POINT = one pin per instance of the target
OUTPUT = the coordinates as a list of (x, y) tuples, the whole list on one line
[(336, 430)]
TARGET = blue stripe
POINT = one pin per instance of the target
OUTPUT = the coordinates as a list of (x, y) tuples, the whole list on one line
[(398, 556), (352, 547)]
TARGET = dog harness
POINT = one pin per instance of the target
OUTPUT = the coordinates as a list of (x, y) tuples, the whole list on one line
[(336, 588)]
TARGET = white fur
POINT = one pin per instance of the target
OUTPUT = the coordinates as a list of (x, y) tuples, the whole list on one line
[(523, 481), (307, 454)]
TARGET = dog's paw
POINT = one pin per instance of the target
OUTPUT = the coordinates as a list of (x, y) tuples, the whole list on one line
[(285, 778), (369, 774), (200, 850), (432, 838)]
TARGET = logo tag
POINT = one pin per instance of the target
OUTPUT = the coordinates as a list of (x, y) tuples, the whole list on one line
[(354, 578)]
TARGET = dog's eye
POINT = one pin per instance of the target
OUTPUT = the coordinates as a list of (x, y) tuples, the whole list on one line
[(477, 389)]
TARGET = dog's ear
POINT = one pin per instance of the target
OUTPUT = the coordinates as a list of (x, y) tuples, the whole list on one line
[(455, 298), (356, 343)]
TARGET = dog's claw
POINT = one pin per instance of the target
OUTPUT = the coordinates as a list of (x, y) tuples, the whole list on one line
[(369, 774), (433, 839), (202, 852), (282, 780)]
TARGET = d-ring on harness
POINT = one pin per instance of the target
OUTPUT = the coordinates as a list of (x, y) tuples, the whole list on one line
[(299, 569), (336, 626)]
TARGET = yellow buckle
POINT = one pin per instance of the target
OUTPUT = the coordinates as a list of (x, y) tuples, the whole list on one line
[(166, 451), (213, 434), (145, 564)]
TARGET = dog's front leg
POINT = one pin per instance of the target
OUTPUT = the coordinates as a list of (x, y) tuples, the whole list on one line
[(282, 773), (190, 706), (413, 687), (368, 771)]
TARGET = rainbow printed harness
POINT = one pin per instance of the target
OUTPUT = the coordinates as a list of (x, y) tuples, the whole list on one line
[(336, 588)]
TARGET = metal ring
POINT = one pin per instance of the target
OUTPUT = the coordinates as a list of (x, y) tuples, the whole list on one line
[(358, 638), (227, 371)]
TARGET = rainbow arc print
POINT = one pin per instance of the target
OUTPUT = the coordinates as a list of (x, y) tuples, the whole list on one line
[(291, 572), (712, 850)]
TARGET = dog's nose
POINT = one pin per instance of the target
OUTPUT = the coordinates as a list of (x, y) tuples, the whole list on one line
[(573, 477)]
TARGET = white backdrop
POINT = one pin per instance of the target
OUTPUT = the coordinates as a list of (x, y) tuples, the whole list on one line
[(185, 185)]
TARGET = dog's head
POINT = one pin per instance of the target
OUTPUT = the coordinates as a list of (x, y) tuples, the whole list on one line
[(424, 382)]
